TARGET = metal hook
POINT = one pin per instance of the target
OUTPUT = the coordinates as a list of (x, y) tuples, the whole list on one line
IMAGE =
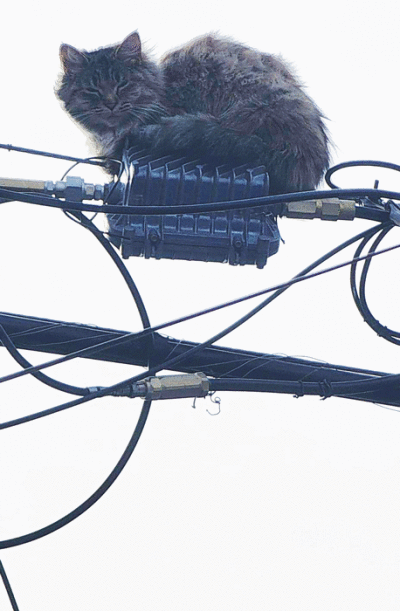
[(217, 401)]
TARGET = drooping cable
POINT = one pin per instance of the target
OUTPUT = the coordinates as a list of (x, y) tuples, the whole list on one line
[(102, 489), (41, 377), (68, 388), (359, 294)]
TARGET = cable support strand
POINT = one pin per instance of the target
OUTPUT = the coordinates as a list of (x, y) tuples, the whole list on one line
[(277, 290), (170, 362)]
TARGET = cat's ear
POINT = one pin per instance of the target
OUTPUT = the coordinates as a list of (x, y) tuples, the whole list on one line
[(71, 59), (130, 48)]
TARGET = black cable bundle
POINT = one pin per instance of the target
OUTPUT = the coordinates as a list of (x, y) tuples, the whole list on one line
[(369, 385)]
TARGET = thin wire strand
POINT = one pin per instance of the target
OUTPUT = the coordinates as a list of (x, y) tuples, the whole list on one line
[(41, 377), (20, 149)]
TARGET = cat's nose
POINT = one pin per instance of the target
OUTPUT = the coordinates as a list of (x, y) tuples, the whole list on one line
[(111, 101)]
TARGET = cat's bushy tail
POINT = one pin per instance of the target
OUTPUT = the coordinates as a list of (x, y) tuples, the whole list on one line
[(295, 159)]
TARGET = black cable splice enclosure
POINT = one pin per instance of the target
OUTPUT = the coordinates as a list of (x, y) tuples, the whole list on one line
[(239, 237)]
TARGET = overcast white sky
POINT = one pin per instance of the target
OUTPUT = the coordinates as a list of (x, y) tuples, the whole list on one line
[(277, 503)]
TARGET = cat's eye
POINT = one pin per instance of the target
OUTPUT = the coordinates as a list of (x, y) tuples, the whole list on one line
[(122, 85), (92, 91)]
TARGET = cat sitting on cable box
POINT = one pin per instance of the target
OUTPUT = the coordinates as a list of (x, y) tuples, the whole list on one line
[(213, 99)]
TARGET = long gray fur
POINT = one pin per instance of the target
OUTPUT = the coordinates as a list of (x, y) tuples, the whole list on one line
[(213, 99)]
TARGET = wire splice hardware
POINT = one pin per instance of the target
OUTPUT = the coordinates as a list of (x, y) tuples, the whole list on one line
[(179, 386), (238, 237)]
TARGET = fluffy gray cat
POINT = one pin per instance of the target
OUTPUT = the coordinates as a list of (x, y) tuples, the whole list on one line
[(213, 99)]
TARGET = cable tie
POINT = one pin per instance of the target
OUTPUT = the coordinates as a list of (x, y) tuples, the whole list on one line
[(95, 388), (326, 389), (301, 391)]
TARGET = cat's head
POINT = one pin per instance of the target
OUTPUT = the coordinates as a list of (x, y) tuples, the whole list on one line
[(112, 89)]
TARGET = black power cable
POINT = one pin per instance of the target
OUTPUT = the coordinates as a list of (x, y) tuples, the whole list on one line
[(359, 294), (355, 389), (370, 209), (8, 588), (357, 164), (47, 530), (34, 370), (275, 201)]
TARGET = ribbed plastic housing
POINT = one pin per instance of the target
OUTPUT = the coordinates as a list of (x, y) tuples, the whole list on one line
[(238, 237)]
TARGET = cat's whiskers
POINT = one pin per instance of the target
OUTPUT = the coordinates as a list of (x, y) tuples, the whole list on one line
[(147, 114)]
